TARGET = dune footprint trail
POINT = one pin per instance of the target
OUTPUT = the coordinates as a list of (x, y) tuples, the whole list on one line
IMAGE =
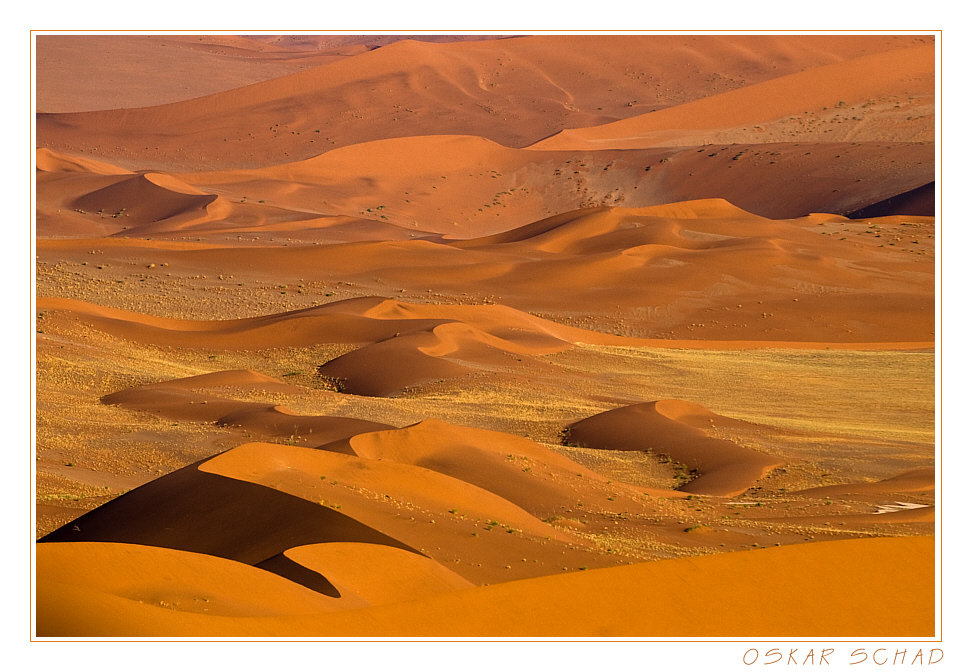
[(486, 336)]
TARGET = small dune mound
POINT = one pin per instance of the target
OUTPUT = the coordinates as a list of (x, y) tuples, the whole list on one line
[(378, 574), (54, 162), (671, 428), (178, 580), (914, 480), (147, 199), (187, 399)]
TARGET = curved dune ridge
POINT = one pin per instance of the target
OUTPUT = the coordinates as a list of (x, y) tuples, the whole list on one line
[(905, 72), (507, 465), (56, 162), (183, 399), (544, 82), (673, 428), (911, 481), (830, 589), (779, 280), (405, 344), (298, 470), (202, 512), (152, 202)]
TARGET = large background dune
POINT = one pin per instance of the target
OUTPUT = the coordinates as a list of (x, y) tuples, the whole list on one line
[(485, 335)]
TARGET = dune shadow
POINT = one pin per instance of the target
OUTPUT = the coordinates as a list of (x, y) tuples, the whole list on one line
[(195, 511)]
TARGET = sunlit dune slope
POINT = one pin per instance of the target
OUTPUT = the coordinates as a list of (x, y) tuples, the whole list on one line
[(674, 428), (916, 480), (518, 469), (856, 588), (902, 74)]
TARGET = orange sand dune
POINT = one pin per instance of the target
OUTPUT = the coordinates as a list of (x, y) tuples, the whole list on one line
[(77, 73), (904, 74), (54, 162), (162, 577), (855, 588), (703, 270), (672, 428), (465, 186), (378, 574), (181, 399), (914, 480), (512, 91), (297, 470), (409, 345), (151, 199), (193, 510), (515, 468)]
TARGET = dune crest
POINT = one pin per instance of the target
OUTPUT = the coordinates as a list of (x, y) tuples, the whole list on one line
[(672, 428), (905, 73)]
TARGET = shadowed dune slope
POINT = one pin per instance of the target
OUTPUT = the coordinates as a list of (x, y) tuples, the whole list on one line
[(829, 589), (919, 201), (905, 72), (672, 428), (201, 512), (181, 399)]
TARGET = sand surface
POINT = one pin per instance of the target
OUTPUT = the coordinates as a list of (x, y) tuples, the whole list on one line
[(533, 336)]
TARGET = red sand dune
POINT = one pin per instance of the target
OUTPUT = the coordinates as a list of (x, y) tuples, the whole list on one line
[(905, 73), (541, 83), (914, 480), (673, 428), (753, 279), (849, 588), (182, 399)]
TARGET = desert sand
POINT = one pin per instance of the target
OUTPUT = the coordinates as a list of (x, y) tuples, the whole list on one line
[(485, 336)]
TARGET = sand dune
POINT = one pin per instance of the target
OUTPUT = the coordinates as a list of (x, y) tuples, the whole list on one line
[(836, 589), (506, 465), (901, 75), (672, 428), (200, 512), (182, 399), (406, 345), (700, 269), (912, 481)]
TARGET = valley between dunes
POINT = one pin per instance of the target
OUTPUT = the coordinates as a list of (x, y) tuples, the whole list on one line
[(554, 336)]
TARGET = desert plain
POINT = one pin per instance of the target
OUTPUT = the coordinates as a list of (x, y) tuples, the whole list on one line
[(485, 336)]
